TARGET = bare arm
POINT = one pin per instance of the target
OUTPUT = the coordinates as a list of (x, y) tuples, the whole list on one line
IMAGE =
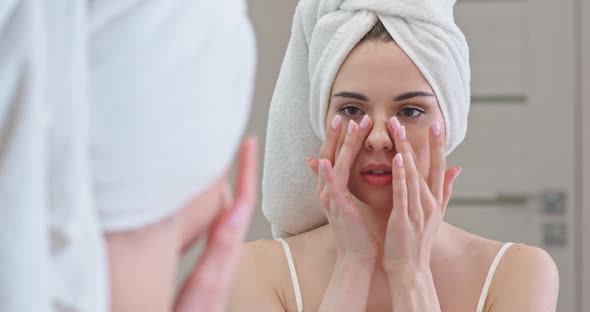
[(349, 287), (357, 248), (419, 204), (413, 290)]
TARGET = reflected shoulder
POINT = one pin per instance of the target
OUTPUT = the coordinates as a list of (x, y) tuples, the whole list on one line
[(257, 283), (527, 279)]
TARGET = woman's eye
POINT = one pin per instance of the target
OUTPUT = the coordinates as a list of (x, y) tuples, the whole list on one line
[(411, 112), (351, 110)]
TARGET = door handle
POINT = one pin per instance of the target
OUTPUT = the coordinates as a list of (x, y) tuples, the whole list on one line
[(553, 201), (498, 200)]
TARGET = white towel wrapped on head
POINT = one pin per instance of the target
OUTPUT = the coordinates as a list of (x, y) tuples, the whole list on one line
[(324, 33)]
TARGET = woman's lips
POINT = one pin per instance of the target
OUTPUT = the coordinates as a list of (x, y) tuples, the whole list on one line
[(377, 179), (377, 174)]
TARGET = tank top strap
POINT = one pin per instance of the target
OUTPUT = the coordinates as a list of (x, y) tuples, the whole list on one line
[(294, 279), (490, 276)]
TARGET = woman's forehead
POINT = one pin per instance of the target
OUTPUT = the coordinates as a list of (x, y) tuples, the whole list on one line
[(380, 63)]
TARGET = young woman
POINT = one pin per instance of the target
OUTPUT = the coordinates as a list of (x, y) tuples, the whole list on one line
[(384, 188)]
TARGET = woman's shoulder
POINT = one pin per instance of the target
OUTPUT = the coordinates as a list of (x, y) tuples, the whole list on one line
[(516, 258), (265, 259), (258, 280), (263, 279), (525, 276), (271, 256), (262, 248), (264, 270), (513, 257)]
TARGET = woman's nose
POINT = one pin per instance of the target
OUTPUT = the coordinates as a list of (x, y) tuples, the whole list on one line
[(378, 139)]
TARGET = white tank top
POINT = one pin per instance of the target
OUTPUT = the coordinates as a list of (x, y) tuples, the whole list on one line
[(480, 303)]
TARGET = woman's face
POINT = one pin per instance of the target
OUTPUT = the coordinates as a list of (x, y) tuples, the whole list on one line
[(379, 80)]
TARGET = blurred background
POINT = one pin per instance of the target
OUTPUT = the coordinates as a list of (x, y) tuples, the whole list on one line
[(526, 158)]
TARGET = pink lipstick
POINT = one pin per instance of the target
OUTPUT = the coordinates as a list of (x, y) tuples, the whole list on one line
[(377, 174)]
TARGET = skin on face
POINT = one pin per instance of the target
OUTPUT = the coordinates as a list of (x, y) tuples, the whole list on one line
[(379, 80)]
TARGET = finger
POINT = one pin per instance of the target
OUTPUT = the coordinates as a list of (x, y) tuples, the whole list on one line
[(246, 184), (327, 173), (314, 165), (328, 150), (412, 177), (400, 191), (437, 162), (247, 175), (330, 145), (322, 186), (322, 174), (392, 127), (227, 196), (327, 170), (199, 225), (450, 177), (356, 134), (207, 287)]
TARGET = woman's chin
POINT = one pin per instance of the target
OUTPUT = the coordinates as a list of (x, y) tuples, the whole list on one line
[(381, 205), (377, 199)]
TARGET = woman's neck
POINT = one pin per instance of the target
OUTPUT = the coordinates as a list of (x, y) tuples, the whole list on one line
[(447, 237), (376, 219)]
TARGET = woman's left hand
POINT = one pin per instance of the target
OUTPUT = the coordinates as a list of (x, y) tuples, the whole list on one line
[(419, 203)]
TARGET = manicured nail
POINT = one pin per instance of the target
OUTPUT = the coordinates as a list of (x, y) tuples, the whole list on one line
[(336, 121), (238, 217), (399, 161), (436, 128), (351, 126), (365, 122), (394, 123), (401, 132)]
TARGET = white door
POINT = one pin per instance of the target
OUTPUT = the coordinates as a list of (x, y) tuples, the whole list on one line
[(518, 179)]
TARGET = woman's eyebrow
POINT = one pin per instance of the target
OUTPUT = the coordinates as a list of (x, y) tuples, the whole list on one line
[(409, 95), (353, 95)]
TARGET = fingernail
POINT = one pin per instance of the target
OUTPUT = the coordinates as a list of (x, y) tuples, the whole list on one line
[(436, 128), (365, 122), (399, 161), (238, 217), (401, 132), (351, 125), (321, 165), (394, 123), (336, 121)]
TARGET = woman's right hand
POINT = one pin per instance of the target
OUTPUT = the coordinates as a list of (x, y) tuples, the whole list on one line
[(207, 288), (354, 241)]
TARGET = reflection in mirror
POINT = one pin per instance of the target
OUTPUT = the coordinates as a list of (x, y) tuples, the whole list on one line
[(364, 144)]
